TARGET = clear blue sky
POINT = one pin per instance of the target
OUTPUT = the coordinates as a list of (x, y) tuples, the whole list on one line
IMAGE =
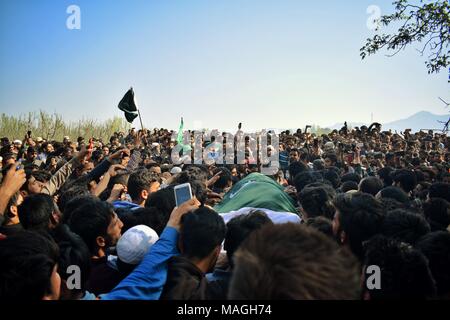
[(268, 64)]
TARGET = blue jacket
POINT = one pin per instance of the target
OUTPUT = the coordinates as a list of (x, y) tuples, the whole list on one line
[(125, 205), (147, 280)]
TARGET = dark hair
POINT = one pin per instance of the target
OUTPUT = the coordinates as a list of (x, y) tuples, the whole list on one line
[(360, 216), (141, 180), (332, 156), (307, 177), (296, 168), (321, 224), (351, 177), (286, 261), (440, 190), (436, 247), (192, 172), (405, 226), (318, 164), (70, 193), (349, 185), (73, 251), (394, 193), (406, 178), (12, 202), (370, 185), (91, 220), (27, 263), (163, 199), (240, 227), (405, 273), (437, 212), (317, 201), (385, 175), (332, 176), (225, 178), (36, 211), (390, 204), (201, 232), (149, 216)]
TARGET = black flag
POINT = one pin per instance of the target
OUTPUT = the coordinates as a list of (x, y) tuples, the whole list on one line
[(128, 106)]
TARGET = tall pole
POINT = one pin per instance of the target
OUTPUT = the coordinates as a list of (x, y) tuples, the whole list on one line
[(140, 119), (142, 127)]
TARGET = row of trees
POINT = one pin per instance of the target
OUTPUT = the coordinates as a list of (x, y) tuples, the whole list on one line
[(54, 127)]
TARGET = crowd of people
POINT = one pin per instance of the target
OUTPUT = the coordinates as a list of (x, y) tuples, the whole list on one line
[(97, 220)]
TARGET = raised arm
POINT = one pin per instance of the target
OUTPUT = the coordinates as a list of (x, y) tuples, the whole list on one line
[(60, 176), (12, 182), (147, 280)]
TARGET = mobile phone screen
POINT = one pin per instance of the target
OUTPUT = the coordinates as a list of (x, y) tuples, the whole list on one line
[(182, 195)]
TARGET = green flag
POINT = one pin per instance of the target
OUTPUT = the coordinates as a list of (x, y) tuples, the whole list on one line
[(186, 147), (180, 132)]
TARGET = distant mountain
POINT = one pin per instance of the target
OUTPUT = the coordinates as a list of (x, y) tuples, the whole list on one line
[(420, 120)]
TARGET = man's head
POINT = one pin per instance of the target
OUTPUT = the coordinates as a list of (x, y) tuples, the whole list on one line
[(31, 154), (294, 155), (292, 261), (330, 160), (302, 179), (28, 268), (392, 192), (437, 213), (225, 179), (404, 179), (370, 185), (105, 151), (32, 185), (405, 226), (39, 212), (440, 190), (331, 174), (48, 148), (317, 201), (141, 184), (385, 175), (12, 210), (240, 227), (296, 168), (97, 224), (201, 234), (321, 224), (114, 141), (358, 217), (436, 247), (404, 270), (73, 252)]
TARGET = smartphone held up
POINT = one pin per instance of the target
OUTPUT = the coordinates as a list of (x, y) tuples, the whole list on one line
[(183, 193)]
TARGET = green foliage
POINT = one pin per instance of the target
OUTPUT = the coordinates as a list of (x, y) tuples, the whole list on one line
[(53, 127), (319, 131), (426, 23)]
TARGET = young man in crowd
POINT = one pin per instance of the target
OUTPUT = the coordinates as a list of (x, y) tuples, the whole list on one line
[(98, 225)]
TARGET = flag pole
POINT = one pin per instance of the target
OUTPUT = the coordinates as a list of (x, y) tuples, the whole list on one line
[(140, 118)]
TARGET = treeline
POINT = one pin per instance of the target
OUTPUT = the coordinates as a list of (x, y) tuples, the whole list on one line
[(54, 127)]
